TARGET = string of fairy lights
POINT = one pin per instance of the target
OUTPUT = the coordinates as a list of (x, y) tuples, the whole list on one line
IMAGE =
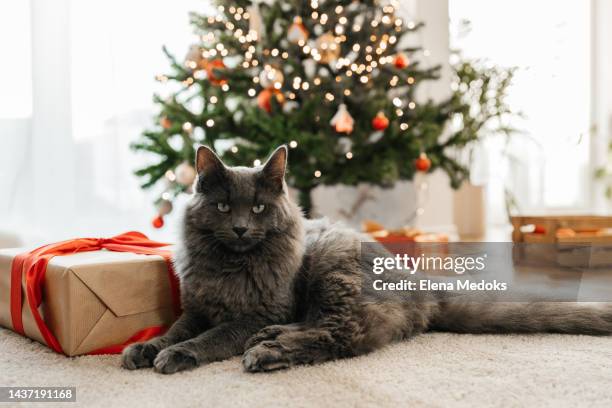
[(274, 76)]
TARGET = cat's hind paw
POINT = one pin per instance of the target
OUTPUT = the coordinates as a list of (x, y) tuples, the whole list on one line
[(270, 333), (174, 359), (265, 356)]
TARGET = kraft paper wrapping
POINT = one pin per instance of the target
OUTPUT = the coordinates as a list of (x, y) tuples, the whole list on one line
[(94, 299)]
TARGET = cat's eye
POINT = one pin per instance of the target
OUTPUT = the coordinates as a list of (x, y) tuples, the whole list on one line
[(258, 208), (223, 207)]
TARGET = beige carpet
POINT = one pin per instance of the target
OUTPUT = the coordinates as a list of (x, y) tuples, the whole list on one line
[(434, 370)]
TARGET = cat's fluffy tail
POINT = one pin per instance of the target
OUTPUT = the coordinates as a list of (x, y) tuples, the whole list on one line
[(506, 317)]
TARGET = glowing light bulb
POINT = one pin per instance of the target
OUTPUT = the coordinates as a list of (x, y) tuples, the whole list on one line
[(170, 175), (317, 173), (293, 144)]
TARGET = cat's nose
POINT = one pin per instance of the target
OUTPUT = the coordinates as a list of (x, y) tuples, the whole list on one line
[(239, 231)]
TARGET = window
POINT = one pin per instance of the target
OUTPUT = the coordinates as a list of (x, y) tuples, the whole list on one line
[(546, 167)]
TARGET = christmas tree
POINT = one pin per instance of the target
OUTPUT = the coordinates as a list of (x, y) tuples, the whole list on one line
[(334, 80)]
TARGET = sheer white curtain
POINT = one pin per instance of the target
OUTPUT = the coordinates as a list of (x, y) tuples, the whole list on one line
[(78, 80)]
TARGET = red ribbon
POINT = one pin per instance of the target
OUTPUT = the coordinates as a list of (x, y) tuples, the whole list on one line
[(33, 265)]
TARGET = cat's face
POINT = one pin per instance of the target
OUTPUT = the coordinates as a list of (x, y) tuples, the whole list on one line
[(239, 207)]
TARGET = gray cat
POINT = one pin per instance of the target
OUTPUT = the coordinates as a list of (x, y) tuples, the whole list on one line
[(258, 279)]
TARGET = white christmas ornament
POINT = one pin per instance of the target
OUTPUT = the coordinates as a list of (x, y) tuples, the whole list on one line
[(290, 106), (164, 207), (194, 56), (310, 67), (271, 77), (342, 121), (297, 33), (375, 137), (328, 48), (185, 174), (344, 145)]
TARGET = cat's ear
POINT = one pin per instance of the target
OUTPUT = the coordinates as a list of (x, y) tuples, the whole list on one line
[(207, 162), (274, 169), (208, 165)]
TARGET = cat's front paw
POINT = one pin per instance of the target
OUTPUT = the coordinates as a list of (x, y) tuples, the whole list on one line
[(265, 356), (174, 359), (139, 355)]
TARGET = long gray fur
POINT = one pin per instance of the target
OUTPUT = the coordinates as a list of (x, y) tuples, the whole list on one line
[(292, 291)]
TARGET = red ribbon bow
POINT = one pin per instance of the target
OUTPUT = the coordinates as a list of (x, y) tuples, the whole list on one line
[(33, 265)]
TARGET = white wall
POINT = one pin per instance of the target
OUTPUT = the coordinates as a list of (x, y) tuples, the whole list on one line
[(438, 213)]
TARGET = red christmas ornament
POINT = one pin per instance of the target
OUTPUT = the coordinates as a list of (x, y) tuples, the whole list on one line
[(422, 163), (380, 121), (165, 123), (158, 222), (401, 61), (264, 99), (210, 67)]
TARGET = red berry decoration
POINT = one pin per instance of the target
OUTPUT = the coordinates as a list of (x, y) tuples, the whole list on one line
[(158, 222), (380, 121), (422, 163), (401, 61)]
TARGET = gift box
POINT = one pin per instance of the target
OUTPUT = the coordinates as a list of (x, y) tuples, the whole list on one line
[(89, 296)]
